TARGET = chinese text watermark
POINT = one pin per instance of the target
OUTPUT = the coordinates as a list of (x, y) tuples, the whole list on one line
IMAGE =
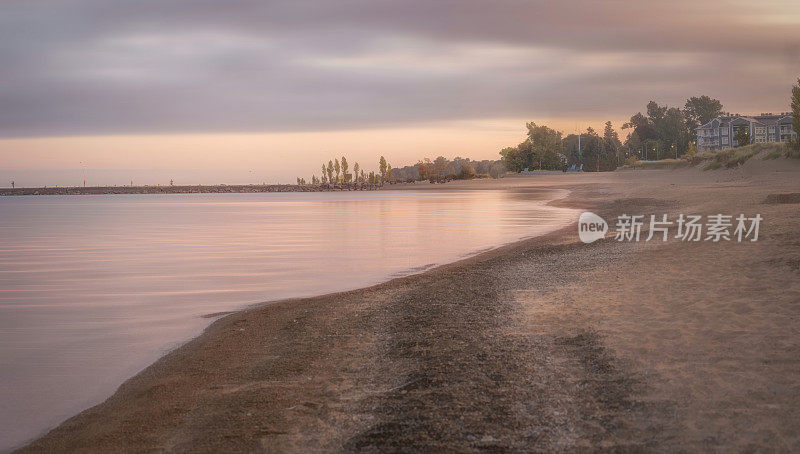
[(713, 228)]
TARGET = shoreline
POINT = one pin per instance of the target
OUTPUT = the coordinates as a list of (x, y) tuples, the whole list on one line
[(561, 201), (279, 305), (544, 196), (409, 362), (187, 189)]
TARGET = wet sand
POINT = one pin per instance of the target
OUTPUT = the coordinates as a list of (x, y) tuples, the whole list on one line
[(547, 344)]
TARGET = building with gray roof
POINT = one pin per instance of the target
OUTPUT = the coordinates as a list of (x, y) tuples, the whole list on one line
[(719, 133)]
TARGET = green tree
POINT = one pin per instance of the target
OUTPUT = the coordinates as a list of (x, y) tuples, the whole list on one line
[(363, 177), (795, 143), (634, 144), (330, 172), (338, 168), (569, 145), (425, 169), (497, 170), (655, 113), (742, 136), (662, 127), (642, 130), (611, 139), (541, 149), (440, 167), (355, 172), (512, 158), (382, 168), (593, 150), (467, 171), (653, 148), (545, 147), (324, 178), (699, 111), (388, 172), (674, 132), (345, 166)]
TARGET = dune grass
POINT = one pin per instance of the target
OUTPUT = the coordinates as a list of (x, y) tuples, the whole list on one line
[(740, 156), (661, 164), (728, 158), (733, 157)]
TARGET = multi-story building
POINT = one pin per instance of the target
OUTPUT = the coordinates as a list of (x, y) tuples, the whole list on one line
[(720, 132)]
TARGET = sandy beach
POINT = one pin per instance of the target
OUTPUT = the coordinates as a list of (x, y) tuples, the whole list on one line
[(547, 344)]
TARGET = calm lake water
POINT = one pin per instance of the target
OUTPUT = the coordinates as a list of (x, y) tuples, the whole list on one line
[(95, 288)]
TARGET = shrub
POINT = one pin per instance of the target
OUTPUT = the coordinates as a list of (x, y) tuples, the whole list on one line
[(724, 156), (713, 165), (467, 171), (497, 170), (691, 152), (741, 155), (631, 160), (695, 159)]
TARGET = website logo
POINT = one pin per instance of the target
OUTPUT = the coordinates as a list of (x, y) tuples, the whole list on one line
[(715, 228), (591, 227)]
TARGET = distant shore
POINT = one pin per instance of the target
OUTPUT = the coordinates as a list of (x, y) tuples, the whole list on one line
[(194, 189), (547, 344)]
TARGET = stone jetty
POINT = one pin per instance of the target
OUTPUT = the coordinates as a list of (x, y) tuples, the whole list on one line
[(222, 188)]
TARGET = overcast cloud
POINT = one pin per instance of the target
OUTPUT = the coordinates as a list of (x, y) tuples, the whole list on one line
[(89, 67)]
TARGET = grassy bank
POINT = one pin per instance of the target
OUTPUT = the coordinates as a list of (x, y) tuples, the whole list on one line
[(658, 165), (722, 159), (733, 157)]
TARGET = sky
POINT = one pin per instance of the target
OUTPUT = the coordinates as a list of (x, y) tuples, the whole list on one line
[(246, 91)]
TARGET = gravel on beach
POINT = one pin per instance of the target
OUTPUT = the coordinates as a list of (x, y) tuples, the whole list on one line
[(548, 344)]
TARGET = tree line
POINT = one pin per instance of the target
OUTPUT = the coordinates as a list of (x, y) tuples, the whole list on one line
[(669, 131), (338, 171), (441, 169), (545, 148), (662, 132)]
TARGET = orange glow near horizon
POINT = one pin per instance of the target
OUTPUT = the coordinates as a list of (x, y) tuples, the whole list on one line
[(253, 158)]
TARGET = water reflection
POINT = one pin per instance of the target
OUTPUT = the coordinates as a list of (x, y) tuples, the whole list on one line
[(94, 288)]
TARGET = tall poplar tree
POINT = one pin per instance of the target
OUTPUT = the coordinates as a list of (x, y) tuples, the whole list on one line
[(382, 168), (345, 166)]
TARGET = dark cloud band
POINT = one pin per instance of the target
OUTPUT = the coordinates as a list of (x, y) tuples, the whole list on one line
[(99, 67)]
